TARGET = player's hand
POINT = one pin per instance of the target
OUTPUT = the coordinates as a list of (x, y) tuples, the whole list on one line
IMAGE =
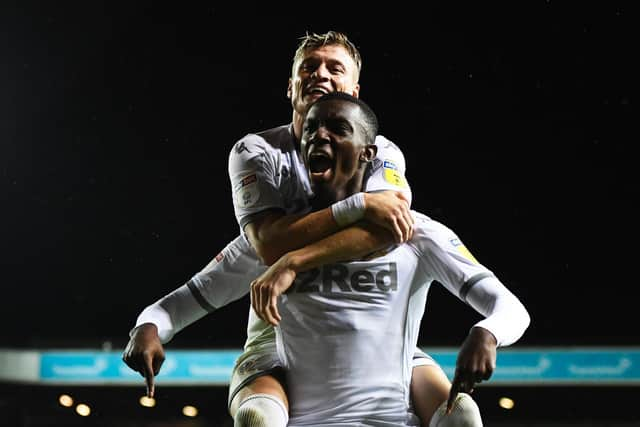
[(144, 353), (390, 209), (476, 363), (266, 289)]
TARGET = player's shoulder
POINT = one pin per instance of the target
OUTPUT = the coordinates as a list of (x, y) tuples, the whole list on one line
[(277, 136), (385, 143), (253, 143), (389, 154), (428, 228)]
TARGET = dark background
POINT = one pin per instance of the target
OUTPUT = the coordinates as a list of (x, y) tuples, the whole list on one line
[(116, 120)]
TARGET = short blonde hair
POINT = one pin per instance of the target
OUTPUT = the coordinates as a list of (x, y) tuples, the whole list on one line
[(313, 41)]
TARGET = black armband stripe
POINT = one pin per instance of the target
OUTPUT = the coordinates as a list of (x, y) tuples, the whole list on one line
[(464, 290), (198, 296)]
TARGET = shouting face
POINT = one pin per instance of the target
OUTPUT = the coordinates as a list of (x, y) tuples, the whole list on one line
[(334, 148)]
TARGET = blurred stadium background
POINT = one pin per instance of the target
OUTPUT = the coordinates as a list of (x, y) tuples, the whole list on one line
[(115, 126)]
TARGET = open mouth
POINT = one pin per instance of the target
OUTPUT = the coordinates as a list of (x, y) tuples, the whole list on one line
[(320, 163), (316, 92)]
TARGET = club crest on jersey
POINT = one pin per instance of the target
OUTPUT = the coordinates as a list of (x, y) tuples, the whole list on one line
[(392, 175), (247, 191), (331, 278), (462, 249)]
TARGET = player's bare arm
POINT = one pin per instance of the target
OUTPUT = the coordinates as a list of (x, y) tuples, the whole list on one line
[(273, 233), (355, 242)]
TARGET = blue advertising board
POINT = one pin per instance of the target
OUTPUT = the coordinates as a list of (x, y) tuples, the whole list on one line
[(615, 366)]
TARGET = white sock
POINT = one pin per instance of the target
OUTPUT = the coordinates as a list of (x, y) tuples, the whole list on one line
[(261, 410), (465, 413)]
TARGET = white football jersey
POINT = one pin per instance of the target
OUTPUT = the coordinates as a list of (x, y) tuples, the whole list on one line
[(266, 171), (349, 331)]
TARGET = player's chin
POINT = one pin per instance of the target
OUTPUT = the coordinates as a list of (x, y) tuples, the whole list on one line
[(321, 177), (312, 97), (309, 99)]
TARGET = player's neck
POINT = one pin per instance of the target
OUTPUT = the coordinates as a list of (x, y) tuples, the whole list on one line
[(323, 198)]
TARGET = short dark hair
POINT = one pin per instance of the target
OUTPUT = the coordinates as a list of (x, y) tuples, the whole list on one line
[(371, 121)]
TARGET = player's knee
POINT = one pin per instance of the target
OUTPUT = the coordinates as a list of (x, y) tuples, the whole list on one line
[(261, 410), (465, 413)]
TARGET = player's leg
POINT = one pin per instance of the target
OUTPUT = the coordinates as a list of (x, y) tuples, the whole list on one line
[(465, 413), (257, 394), (429, 388), (261, 403), (429, 393)]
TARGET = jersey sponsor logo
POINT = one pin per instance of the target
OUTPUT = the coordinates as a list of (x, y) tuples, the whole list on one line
[(247, 191), (390, 165), (248, 180), (462, 249), (241, 147), (392, 175), (378, 277)]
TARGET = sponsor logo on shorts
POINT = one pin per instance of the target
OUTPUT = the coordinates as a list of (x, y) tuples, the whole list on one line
[(247, 366), (379, 277)]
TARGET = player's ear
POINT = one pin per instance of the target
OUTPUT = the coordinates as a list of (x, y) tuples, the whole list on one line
[(356, 90), (368, 153), (289, 88)]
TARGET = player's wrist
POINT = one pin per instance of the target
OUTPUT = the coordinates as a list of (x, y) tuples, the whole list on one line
[(146, 328), (297, 261), (349, 210)]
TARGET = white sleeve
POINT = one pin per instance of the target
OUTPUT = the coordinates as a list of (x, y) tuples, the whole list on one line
[(253, 172), (172, 313), (505, 316), (447, 260), (444, 256), (225, 279), (387, 170)]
